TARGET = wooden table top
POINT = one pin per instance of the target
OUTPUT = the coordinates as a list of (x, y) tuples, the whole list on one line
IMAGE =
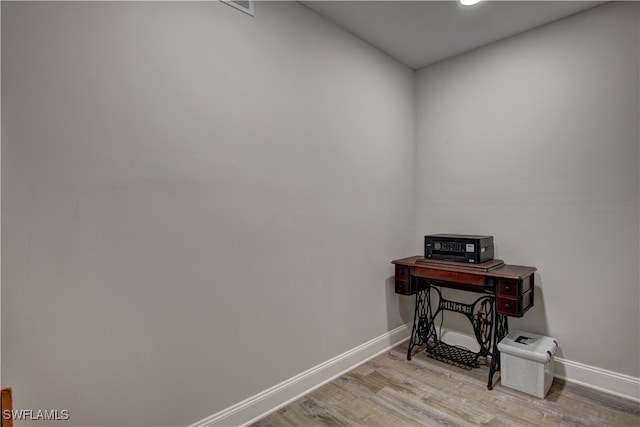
[(493, 268)]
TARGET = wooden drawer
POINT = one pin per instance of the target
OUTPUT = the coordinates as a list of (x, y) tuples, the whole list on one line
[(402, 272), (514, 306), (404, 288), (403, 282), (450, 276), (514, 288), (514, 297)]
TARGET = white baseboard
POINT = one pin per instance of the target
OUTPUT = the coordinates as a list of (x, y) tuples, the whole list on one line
[(589, 376), (610, 382), (272, 399)]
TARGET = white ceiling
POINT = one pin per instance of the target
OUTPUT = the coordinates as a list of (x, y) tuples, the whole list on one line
[(419, 33)]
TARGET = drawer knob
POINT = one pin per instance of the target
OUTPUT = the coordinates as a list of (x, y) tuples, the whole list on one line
[(507, 288), (507, 306)]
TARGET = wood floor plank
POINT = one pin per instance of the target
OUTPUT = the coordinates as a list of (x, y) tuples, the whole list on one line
[(392, 391)]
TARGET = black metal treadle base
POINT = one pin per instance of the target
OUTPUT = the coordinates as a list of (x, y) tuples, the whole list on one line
[(457, 356)]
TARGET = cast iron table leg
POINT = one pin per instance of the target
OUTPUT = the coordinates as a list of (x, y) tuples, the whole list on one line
[(502, 329)]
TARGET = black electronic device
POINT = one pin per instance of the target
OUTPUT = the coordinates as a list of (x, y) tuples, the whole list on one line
[(466, 248)]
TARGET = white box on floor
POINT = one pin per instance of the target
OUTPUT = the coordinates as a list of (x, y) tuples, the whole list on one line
[(526, 362)]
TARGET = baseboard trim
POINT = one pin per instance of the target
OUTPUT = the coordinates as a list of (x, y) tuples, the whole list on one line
[(272, 399), (610, 382)]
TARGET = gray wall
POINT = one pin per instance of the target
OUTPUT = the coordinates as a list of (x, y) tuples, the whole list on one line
[(535, 140), (196, 204)]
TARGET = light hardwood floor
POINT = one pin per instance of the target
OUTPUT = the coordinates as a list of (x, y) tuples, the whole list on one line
[(391, 391)]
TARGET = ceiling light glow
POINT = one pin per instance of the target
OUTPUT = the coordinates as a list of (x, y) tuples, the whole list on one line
[(469, 2)]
